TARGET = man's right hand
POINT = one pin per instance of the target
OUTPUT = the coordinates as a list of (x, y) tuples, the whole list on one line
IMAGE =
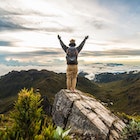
[(59, 37), (86, 37)]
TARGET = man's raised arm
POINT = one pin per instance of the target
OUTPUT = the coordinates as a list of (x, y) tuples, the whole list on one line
[(62, 44), (79, 48)]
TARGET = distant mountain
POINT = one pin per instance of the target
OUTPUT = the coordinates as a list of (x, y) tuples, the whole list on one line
[(114, 64), (110, 77), (48, 83)]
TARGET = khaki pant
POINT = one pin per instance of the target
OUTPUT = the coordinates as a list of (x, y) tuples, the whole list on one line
[(72, 76)]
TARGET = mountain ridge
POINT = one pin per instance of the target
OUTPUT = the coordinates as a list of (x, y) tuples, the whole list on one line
[(48, 83), (121, 95)]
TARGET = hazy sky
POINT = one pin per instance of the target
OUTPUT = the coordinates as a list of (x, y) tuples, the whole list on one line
[(29, 29)]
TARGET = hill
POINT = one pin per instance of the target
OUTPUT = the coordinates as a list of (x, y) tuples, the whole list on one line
[(110, 77), (122, 95), (119, 91), (48, 83)]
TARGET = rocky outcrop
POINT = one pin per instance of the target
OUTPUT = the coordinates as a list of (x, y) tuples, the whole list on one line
[(85, 116)]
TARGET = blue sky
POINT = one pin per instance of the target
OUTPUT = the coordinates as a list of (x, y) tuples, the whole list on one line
[(29, 29)]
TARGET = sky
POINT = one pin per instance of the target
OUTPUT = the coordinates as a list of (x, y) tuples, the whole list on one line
[(29, 29)]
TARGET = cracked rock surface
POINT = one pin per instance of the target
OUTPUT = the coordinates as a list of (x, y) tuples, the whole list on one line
[(85, 116)]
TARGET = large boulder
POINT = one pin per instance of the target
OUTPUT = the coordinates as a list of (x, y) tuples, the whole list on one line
[(85, 116)]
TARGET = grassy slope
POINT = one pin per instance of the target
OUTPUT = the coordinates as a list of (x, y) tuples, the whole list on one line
[(125, 95), (48, 83)]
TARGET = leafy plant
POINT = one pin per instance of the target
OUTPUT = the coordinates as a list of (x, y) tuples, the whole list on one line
[(1, 117), (60, 134), (131, 131), (46, 133), (27, 114), (29, 121), (52, 133)]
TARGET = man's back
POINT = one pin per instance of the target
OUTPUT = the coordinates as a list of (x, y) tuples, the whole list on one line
[(71, 57)]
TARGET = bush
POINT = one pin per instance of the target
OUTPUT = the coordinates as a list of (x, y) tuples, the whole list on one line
[(27, 114), (132, 129), (29, 122)]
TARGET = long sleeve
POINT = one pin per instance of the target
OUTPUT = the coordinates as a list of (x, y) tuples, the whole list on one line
[(63, 45), (79, 48)]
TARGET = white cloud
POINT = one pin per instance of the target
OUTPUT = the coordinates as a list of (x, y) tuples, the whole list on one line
[(29, 26)]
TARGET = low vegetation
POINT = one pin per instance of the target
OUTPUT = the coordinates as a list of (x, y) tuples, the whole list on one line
[(132, 129), (28, 122)]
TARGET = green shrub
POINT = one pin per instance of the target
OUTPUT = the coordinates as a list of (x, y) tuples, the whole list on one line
[(1, 117), (27, 114), (29, 122), (52, 132), (132, 129)]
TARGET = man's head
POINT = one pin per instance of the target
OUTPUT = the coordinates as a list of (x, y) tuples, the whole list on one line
[(72, 43)]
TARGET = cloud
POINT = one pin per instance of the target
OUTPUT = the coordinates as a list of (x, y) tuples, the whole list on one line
[(118, 52), (108, 23), (53, 29), (57, 57), (98, 24), (8, 24), (5, 43), (19, 23), (23, 17), (54, 59), (123, 52), (35, 58)]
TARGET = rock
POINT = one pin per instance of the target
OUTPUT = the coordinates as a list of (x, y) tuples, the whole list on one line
[(85, 116), (47, 107)]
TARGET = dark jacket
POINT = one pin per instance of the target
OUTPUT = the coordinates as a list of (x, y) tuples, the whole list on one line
[(79, 48)]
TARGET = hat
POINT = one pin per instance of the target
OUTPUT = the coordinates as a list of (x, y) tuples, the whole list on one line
[(72, 41)]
